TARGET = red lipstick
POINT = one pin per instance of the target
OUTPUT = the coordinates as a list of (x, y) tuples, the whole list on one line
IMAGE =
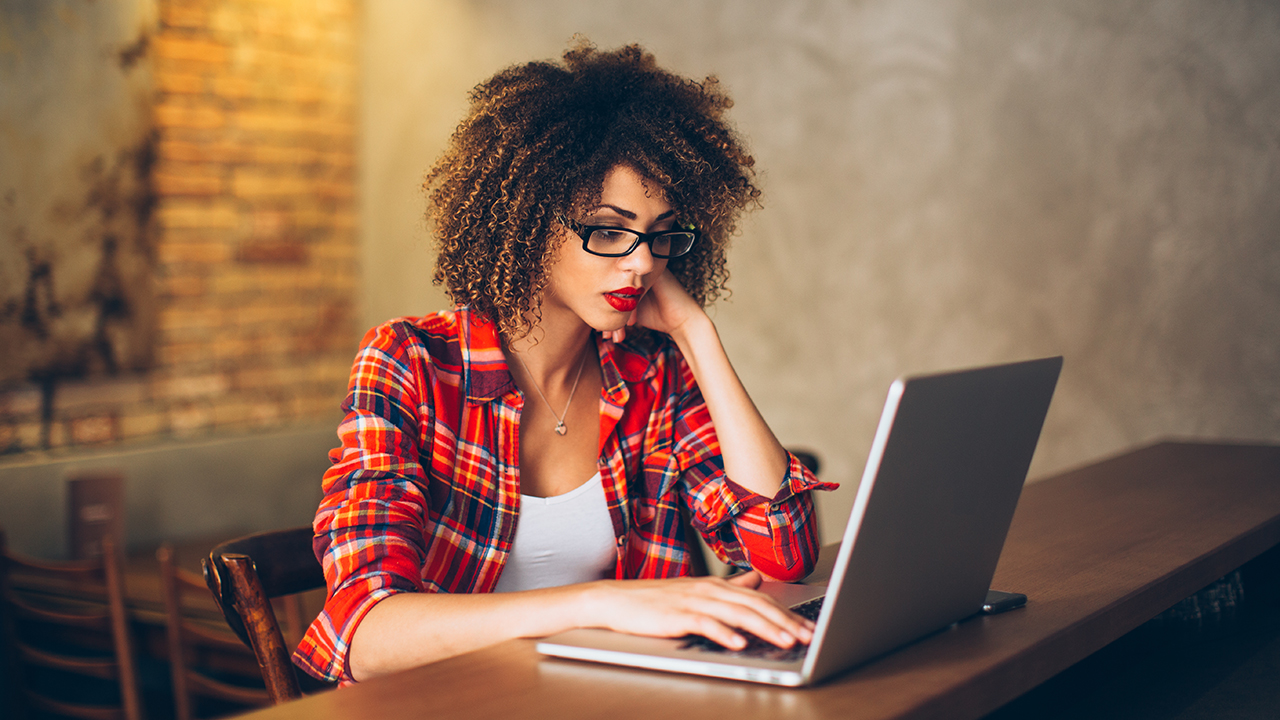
[(624, 299)]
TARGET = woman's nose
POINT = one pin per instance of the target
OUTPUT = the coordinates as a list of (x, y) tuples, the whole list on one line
[(640, 261)]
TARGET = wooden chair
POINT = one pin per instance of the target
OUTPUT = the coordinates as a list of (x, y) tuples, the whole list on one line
[(95, 507), (77, 626), (191, 641), (244, 575), (698, 556)]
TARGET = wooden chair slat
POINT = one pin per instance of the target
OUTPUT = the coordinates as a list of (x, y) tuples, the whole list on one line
[(93, 619), (104, 575), (67, 709), (99, 667), (201, 684), (221, 639)]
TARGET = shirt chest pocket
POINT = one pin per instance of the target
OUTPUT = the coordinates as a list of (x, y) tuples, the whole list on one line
[(655, 485)]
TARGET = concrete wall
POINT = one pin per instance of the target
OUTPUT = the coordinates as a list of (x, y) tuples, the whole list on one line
[(947, 183)]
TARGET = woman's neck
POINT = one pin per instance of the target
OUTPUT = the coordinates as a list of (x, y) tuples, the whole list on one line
[(552, 357)]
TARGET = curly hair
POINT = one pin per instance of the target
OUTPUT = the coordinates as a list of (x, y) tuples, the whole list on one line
[(536, 146)]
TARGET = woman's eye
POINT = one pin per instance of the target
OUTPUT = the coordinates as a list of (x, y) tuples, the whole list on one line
[(609, 236)]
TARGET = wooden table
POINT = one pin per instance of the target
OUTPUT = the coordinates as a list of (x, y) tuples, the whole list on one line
[(1099, 550)]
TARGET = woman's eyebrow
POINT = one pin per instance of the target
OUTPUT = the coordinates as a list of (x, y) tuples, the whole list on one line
[(627, 213)]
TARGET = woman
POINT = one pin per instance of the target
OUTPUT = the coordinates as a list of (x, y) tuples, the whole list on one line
[(518, 466)]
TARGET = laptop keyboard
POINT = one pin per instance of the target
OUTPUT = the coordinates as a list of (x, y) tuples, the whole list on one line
[(757, 648)]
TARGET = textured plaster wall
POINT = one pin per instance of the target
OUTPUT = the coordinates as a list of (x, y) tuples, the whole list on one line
[(76, 145), (947, 183)]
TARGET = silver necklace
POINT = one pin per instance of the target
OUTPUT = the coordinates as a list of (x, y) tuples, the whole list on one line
[(560, 428)]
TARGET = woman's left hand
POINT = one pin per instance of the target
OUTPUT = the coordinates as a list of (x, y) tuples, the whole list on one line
[(666, 307)]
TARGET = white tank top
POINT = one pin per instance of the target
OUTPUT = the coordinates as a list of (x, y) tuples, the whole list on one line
[(561, 540)]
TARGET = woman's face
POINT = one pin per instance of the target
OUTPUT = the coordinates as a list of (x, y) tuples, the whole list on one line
[(602, 291)]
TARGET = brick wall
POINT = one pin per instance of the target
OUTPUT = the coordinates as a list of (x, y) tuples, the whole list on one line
[(255, 233)]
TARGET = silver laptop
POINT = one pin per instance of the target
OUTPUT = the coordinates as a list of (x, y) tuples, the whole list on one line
[(943, 478)]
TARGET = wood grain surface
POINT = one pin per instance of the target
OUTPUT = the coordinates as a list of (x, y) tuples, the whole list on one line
[(1098, 550)]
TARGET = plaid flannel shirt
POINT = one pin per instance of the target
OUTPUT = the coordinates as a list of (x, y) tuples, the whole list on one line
[(424, 492)]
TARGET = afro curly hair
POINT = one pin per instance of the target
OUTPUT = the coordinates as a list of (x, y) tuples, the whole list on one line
[(536, 146)]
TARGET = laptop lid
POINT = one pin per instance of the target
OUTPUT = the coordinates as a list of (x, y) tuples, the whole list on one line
[(936, 500)]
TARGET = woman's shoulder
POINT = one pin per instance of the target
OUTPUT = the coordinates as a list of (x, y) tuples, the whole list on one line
[(436, 334)]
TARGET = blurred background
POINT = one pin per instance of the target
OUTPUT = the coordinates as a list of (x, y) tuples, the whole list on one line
[(203, 205)]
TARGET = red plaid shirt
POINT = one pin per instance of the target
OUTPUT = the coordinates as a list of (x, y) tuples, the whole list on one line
[(424, 492)]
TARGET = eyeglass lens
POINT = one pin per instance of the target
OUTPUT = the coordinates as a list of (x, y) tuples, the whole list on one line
[(610, 241)]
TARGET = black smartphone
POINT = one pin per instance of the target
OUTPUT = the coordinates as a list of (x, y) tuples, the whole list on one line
[(999, 601)]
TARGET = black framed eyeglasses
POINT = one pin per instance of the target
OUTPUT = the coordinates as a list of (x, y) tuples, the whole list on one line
[(611, 241)]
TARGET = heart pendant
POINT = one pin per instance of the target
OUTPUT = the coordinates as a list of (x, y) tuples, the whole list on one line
[(561, 429)]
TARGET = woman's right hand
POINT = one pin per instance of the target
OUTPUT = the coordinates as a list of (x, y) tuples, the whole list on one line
[(712, 607)]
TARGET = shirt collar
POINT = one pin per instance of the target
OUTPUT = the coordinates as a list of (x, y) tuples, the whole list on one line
[(484, 367)]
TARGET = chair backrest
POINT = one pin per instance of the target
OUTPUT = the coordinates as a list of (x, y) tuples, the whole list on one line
[(73, 603), (95, 507), (189, 640), (244, 575)]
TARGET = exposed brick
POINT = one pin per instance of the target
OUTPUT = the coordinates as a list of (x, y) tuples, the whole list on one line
[(21, 401), (184, 286), (275, 252), (317, 407), (177, 354), (233, 87), (221, 151), (188, 388), (233, 280), (176, 14), (344, 190), (77, 396), (232, 347), (261, 313), (140, 424), (250, 183), (28, 435), (93, 429), (263, 153), (172, 318), (345, 252), (180, 83), (229, 22), (231, 411), (58, 435), (182, 213), (190, 419), (194, 252), (170, 46), (264, 413), (181, 115), (173, 184), (293, 122), (196, 235), (272, 121)]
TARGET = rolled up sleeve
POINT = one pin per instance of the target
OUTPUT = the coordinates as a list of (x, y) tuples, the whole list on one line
[(369, 526)]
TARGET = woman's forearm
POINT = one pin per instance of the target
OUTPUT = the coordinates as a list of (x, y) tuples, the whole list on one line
[(753, 457), (411, 629)]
